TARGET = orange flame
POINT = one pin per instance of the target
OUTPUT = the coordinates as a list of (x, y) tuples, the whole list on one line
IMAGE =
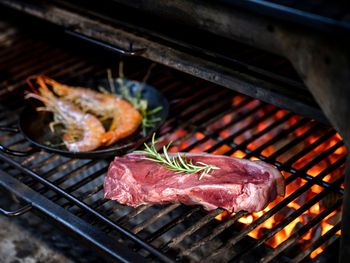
[(327, 223), (296, 204)]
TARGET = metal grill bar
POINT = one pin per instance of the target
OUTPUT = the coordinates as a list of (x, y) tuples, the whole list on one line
[(26, 50), (311, 147), (236, 120), (49, 173), (275, 139), (192, 110), (323, 155), (214, 110), (297, 140), (287, 220), (173, 223), (19, 143), (75, 172), (51, 158), (272, 211), (124, 219), (31, 158), (23, 48), (295, 172), (86, 180), (81, 183), (90, 193), (61, 167), (302, 231), (317, 243), (253, 138), (215, 233), (192, 229), (154, 218), (215, 118), (246, 128), (237, 107), (62, 63), (24, 69)]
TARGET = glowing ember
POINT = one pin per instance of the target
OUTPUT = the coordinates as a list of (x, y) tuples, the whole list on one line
[(326, 224), (297, 203), (287, 146), (239, 154), (316, 252)]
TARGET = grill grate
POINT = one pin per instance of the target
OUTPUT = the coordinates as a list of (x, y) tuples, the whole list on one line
[(203, 117)]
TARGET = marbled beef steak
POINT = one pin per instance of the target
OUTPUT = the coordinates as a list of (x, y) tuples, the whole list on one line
[(239, 184)]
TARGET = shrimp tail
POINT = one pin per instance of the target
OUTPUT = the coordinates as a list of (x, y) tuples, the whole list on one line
[(123, 125), (109, 138)]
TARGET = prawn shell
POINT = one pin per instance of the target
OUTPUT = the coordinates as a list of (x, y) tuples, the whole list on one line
[(34, 125)]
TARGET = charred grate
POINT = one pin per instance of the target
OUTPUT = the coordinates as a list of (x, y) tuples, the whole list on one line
[(310, 155)]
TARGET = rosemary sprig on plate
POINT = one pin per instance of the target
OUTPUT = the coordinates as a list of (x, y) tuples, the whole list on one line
[(177, 163), (149, 119)]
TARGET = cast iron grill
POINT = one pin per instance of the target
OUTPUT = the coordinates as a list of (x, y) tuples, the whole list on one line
[(310, 155)]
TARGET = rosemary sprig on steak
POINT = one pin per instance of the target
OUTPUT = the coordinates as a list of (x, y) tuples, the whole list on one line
[(177, 163)]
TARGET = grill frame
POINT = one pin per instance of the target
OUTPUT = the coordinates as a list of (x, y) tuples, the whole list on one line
[(209, 217)]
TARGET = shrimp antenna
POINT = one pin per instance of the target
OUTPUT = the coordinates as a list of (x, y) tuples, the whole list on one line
[(42, 84), (30, 84)]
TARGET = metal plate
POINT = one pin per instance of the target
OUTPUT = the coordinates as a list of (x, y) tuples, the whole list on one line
[(34, 125)]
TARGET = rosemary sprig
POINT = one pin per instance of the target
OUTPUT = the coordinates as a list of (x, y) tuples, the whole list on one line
[(177, 163), (148, 115)]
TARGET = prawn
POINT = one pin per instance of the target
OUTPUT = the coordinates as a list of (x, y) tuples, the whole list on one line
[(83, 131), (125, 117)]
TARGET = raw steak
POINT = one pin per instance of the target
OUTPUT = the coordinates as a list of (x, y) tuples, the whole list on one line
[(239, 184)]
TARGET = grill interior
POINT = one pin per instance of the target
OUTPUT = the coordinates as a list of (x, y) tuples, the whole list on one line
[(203, 117)]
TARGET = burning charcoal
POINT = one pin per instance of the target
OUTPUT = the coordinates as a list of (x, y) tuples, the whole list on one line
[(330, 199), (317, 233), (297, 227), (296, 248), (283, 213), (336, 175), (306, 218), (263, 231), (334, 219), (305, 241)]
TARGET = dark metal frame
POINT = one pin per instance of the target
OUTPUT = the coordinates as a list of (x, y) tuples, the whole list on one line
[(295, 15)]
